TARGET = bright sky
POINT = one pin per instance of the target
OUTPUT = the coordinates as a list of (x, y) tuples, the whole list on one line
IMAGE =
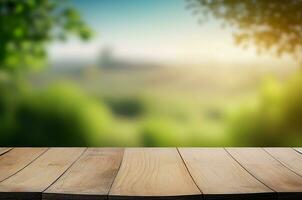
[(159, 30)]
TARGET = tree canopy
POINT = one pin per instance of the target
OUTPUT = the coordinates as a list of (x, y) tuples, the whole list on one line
[(27, 26), (272, 25)]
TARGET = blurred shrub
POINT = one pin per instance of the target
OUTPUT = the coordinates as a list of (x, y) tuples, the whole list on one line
[(292, 106), (274, 120), (7, 105), (162, 132), (126, 106), (58, 116)]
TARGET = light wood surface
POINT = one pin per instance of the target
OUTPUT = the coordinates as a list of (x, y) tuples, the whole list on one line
[(40, 174), (151, 174), (90, 177), (288, 157), (16, 159), (219, 175), (3, 150), (269, 171), (158, 173)]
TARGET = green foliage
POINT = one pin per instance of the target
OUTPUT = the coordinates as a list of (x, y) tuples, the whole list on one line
[(269, 24), (292, 106), (275, 120), (8, 102), (126, 106), (162, 132), (59, 116), (27, 26)]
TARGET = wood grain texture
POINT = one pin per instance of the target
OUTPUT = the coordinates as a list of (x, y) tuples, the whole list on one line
[(219, 176), (3, 150), (40, 174), (288, 157), (269, 171), (153, 173), (17, 159), (298, 149), (89, 178)]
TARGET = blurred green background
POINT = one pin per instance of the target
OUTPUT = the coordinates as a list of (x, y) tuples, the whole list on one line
[(50, 99)]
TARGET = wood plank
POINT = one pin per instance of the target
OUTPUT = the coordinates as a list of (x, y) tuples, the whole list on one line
[(298, 149), (219, 176), (153, 173), (40, 174), (269, 171), (3, 150), (16, 159), (288, 157), (89, 178)]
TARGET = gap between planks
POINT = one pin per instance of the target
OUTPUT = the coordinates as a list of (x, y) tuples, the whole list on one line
[(66, 169), (271, 172), (8, 170), (30, 182), (212, 168), (90, 177), (287, 157), (153, 173), (299, 150), (4, 150), (177, 148)]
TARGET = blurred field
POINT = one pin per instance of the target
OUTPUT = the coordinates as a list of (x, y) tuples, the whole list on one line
[(172, 105)]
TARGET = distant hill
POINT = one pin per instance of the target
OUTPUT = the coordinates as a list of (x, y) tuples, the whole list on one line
[(107, 60)]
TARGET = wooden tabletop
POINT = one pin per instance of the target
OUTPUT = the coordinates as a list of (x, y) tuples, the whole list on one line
[(151, 173)]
